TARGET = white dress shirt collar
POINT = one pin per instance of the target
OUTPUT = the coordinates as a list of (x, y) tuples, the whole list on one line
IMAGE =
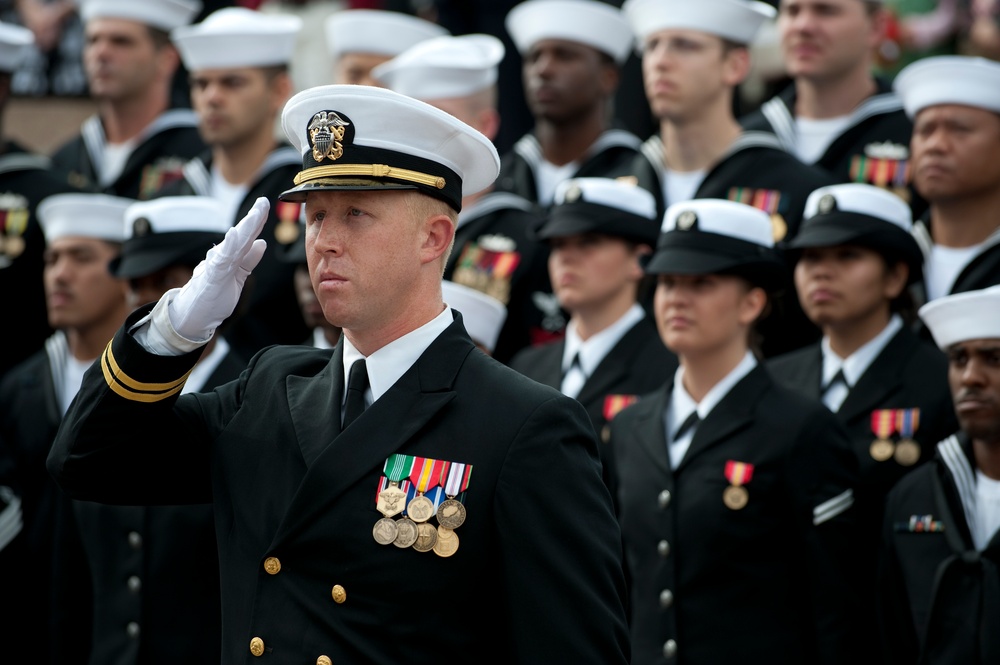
[(855, 365), (593, 351)]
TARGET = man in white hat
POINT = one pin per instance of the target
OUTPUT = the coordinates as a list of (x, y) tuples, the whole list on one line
[(955, 105), (836, 114), (342, 481), (47, 579), (238, 62), (494, 250), (940, 577), (572, 52), (359, 40), (136, 142)]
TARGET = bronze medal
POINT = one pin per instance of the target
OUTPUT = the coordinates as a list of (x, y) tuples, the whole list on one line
[(451, 514), (907, 452), (447, 542), (385, 531), (427, 536), (406, 533), (14, 247), (420, 508), (286, 232), (735, 497), (881, 450), (391, 500)]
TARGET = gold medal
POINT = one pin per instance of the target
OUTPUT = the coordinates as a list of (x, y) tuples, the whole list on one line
[(451, 514), (735, 497), (286, 232), (391, 500), (427, 536), (406, 533), (779, 228), (907, 452), (447, 542), (14, 246), (385, 531), (881, 450), (420, 508)]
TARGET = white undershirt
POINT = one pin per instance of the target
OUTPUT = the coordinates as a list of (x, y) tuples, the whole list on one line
[(987, 510), (115, 157), (680, 186), (944, 266), (73, 379), (547, 178), (853, 366), (813, 136), (228, 194)]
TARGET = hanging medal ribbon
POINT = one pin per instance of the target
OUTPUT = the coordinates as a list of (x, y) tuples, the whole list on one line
[(738, 474), (391, 499), (451, 513), (425, 474), (907, 450), (883, 426)]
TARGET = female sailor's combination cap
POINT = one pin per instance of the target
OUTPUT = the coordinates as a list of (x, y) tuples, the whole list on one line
[(376, 31), (161, 14), (444, 67), (483, 315), (735, 20), (601, 205), (963, 316), (237, 37), (949, 79), (80, 215), (864, 215), (14, 45), (595, 24), (714, 236), (366, 138), (173, 230)]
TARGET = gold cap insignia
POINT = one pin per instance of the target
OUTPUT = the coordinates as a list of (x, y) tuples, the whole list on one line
[(573, 193), (828, 203), (326, 135), (141, 227), (686, 220)]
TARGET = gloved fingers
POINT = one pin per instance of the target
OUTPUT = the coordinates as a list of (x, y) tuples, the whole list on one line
[(240, 238), (253, 255)]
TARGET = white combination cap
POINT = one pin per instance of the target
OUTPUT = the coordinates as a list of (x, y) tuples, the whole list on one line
[(14, 44), (176, 214), (377, 31), (161, 14), (860, 199), (601, 205), (482, 314), (727, 218), (963, 316), (363, 137), (444, 67), (735, 20), (237, 37), (949, 79), (80, 215), (595, 24)]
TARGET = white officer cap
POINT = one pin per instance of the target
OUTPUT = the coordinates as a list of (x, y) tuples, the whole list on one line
[(237, 37), (14, 43), (482, 314), (963, 316), (83, 215), (595, 24), (860, 199), (735, 20), (161, 14), (377, 31), (444, 67), (601, 205), (949, 79), (362, 137)]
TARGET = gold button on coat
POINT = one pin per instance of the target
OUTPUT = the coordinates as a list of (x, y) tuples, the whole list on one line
[(324, 660), (272, 565), (339, 594), (257, 646)]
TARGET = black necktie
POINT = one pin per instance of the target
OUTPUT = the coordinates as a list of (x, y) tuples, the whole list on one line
[(837, 378), (577, 364), (357, 384), (688, 423)]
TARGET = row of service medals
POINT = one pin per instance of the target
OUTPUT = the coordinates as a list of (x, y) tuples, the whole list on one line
[(885, 423), (419, 488), (738, 474)]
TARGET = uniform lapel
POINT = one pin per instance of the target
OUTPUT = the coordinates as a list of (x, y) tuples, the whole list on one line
[(614, 367), (550, 365), (805, 374), (309, 397), (649, 430), (881, 379)]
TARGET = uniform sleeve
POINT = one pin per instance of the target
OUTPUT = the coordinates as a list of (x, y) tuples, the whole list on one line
[(898, 637)]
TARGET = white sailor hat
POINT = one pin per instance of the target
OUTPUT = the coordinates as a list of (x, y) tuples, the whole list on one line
[(949, 79), (601, 205), (714, 236), (482, 314), (595, 24), (82, 215), (14, 43), (963, 316), (735, 20), (377, 31), (161, 14), (864, 215), (173, 230), (237, 37), (362, 137), (444, 67)]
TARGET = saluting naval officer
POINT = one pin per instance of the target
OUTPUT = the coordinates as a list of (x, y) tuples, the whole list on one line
[(734, 493), (940, 569), (465, 503)]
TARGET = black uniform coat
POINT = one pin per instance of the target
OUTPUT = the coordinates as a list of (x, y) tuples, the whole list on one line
[(156, 566), (502, 223), (638, 364), (941, 596), (537, 577), (166, 144), (761, 585), (874, 149), (268, 312)]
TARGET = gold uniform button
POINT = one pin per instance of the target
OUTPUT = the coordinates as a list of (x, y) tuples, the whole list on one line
[(272, 565), (339, 594), (257, 646), (324, 660)]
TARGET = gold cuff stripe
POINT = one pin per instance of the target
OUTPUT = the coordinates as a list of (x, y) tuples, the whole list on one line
[(371, 170), (121, 383)]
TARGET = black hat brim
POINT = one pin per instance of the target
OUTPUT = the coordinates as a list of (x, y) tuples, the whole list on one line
[(149, 254), (578, 218), (699, 253)]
